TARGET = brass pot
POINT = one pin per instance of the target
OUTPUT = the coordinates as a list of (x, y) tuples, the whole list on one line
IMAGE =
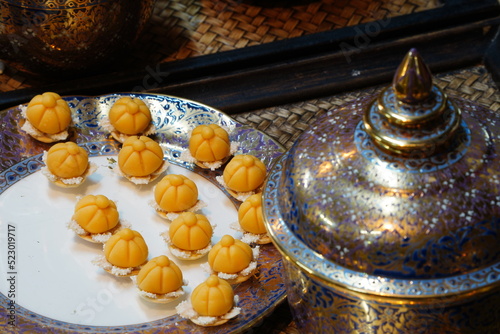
[(387, 214), (69, 36)]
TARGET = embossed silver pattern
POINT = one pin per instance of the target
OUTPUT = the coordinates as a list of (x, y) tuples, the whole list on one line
[(378, 239), (65, 37)]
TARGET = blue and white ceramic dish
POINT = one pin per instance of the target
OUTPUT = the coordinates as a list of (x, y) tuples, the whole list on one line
[(53, 285)]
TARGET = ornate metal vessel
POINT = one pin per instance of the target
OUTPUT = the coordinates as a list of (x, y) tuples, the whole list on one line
[(387, 213), (69, 35)]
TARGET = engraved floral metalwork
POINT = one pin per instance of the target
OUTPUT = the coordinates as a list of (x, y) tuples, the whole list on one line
[(380, 240), (69, 35)]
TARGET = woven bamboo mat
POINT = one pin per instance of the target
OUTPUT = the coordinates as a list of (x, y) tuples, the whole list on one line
[(181, 29), (285, 123)]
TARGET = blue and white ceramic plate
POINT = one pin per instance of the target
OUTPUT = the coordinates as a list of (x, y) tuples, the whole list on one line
[(50, 284)]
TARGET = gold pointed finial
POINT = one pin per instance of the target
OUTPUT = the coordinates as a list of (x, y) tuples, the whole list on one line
[(412, 116), (412, 82)]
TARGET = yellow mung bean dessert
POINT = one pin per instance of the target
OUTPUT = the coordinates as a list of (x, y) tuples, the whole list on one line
[(175, 193), (209, 146), (130, 117), (233, 260), (140, 160), (47, 118), (124, 253), (67, 164), (189, 236), (95, 215), (251, 221), (212, 303), (160, 280), (243, 175)]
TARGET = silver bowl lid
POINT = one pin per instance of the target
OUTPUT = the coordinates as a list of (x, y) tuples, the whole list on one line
[(400, 187)]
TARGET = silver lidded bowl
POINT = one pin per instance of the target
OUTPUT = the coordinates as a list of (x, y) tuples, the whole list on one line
[(69, 36), (387, 214)]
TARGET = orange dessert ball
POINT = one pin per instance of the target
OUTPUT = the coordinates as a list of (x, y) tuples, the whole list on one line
[(213, 298), (49, 113), (160, 276), (67, 160), (209, 142), (140, 156), (250, 215), (175, 193), (96, 214), (190, 231), (130, 116), (230, 255), (126, 249), (244, 173)]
